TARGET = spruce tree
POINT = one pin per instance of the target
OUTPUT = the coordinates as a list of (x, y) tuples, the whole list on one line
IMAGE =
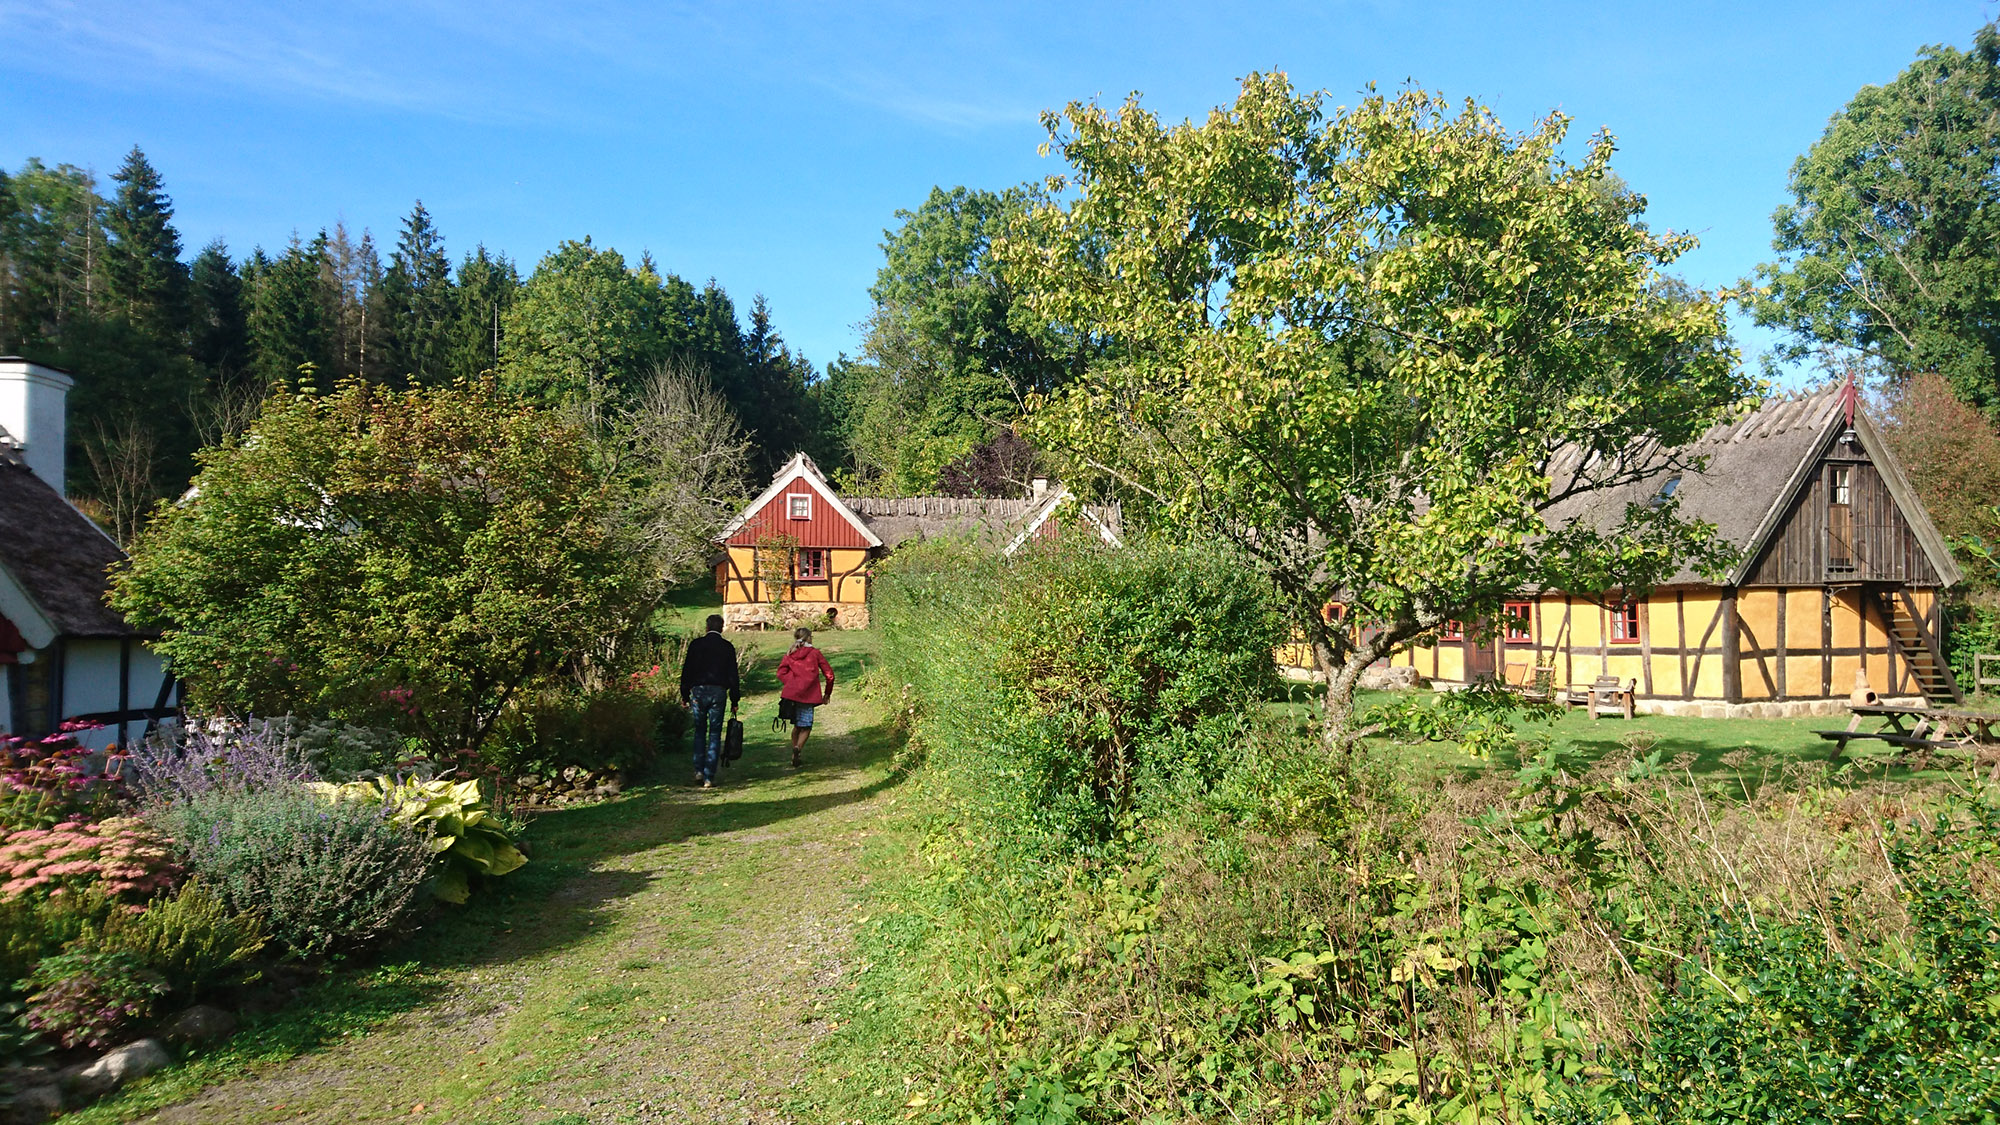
[(142, 257), (486, 287), (219, 335), (288, 317), (418, 303)]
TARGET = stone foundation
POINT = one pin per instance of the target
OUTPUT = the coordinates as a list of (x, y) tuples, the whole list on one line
[(757, 616), (1770, 709)]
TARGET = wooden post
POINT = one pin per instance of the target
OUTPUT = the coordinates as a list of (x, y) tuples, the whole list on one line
[(1681, 640), (1825, 642), (1782, 599), (1732, 650), (1645, 611)]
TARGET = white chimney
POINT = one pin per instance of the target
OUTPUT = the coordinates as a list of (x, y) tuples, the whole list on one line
[(32, 414), (1039, 487)]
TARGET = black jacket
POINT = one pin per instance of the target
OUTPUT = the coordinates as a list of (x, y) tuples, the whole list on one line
[(711, 662)]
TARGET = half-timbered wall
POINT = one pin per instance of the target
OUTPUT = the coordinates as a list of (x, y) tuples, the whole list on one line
[(1705, 643), (846, 581)]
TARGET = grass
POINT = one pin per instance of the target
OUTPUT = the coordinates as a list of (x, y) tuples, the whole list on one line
[(664, 956)]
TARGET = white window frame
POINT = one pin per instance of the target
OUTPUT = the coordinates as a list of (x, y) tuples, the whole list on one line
[(794, 501)]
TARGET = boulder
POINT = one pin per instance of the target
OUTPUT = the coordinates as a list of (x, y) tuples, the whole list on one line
[(31, 1105), (133, 1060), (1394, 678), (199, 1024)]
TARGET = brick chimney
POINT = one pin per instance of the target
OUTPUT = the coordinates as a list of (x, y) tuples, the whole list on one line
[(32, 417)]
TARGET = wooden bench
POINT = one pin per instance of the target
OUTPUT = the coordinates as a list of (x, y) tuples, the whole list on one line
[(1607, 695), (1840, 739)]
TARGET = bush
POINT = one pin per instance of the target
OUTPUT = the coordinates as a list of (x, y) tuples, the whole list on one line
[(1066, 689), (322, 877), (49, 780), (214, 757), (92, 999), (623, 727), (192, 939), (466, 837), (121, 857), (32, 928)]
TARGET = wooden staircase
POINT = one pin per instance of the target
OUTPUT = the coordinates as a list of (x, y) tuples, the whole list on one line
[(1912, 637)]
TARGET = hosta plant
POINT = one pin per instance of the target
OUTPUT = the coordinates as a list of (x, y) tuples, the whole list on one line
[(463, 831)]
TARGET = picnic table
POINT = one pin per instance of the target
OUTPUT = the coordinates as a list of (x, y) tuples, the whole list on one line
[(1920, 728)]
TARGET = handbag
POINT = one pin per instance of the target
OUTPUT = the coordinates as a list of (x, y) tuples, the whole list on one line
[(732, 740), (788, 710)]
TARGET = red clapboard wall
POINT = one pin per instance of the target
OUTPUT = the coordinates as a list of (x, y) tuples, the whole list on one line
[(826, 528)]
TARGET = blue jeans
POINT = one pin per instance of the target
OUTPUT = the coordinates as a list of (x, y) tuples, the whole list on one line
[(709, 702)]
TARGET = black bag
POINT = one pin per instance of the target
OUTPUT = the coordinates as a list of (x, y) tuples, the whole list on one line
[(788, 710), (732, 740)]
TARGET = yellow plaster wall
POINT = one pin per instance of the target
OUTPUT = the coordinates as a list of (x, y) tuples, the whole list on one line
[(845, 566)]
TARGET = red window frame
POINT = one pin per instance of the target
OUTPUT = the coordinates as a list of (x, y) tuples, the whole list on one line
[(1451, 631), (812, 564), (1624, 624), (792, 505), (1518, 622)]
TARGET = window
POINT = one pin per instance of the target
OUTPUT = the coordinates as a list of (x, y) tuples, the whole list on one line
[(1625, 623), (812, 563), (1842, 489), (801, 506), (1519, 618), (1667, 490), (1451, 631)]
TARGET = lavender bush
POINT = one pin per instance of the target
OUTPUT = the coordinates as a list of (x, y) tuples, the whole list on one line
[(216, 757)]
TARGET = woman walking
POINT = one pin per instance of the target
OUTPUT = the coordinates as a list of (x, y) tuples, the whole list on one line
[(800, 674)]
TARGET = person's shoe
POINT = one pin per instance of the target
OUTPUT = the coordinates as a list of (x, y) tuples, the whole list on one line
[(698, 779), (795, 760), (707, 784)]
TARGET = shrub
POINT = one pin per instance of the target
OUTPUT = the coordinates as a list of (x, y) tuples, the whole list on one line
[(121, 857), (32, 928), (192, 938), (91, 999), (452, 815), (1068, 688), (322, 877), (622, 727), (53, 779), (217, 757)]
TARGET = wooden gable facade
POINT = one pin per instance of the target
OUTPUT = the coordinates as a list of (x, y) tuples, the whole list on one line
[(1837, 586)]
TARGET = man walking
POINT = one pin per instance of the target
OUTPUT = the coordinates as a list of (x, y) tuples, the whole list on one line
[(707, 675)]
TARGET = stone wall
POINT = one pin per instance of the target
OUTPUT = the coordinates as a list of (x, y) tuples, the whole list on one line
[(757, 616)]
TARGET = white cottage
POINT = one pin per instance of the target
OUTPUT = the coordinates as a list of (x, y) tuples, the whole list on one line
[(64, 654)]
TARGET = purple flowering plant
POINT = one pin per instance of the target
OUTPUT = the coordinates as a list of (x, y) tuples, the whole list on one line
[(214, 757)]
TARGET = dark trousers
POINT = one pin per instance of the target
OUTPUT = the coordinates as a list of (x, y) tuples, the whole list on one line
[(709, 704)]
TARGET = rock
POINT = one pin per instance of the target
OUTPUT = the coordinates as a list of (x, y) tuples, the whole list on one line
[(31, 1105), (199, 1024), (1394, 678), (74, 1083), (133, 1060)]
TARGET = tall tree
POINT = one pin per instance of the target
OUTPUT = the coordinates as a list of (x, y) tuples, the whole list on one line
[(418, 304), (147, 279), (289, 325), (219, 345), (353, 275), (1371, 348), (584, 324), (487, 284), (54, 246), (1890, 248)]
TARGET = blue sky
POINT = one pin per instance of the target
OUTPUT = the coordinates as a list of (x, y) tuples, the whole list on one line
[(769, 145)]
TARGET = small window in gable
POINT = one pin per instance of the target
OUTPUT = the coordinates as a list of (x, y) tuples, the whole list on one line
[(801, 506)]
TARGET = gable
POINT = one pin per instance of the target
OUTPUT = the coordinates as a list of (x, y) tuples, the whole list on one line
[(54, 563), (1848, 514), (800, 505)]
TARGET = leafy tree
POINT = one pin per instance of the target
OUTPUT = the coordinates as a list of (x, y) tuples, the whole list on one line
[(1890, 247), (1002, 466), (583, 324), (410, 558), (1952, 455), (951, 353), (1376, 349), (418, 304), (54, 246), (682, 456)]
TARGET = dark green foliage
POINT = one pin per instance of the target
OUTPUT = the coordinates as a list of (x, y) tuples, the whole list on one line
[(33, 927), (322, 877), (148, 282), (219, 337), (1788, 1023), (486, 287), (419, 305), (1888, 249), (290, 323), (192, 939), (90, 999), (1075, 686)]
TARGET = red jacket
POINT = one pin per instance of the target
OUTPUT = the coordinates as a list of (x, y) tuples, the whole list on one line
[(800, 673)]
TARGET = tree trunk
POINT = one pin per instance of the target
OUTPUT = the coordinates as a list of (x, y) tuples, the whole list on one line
[(1339, 727)]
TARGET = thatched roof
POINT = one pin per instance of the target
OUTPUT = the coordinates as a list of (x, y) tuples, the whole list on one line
[(994, 523), (55, 556), (1751, 467)]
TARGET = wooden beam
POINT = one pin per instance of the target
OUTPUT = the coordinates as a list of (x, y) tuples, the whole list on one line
[(1687, 689), (1732, 653), (1756, 648), (1783, 597), (1825, 642), (1681, 639), (1645, 611)]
